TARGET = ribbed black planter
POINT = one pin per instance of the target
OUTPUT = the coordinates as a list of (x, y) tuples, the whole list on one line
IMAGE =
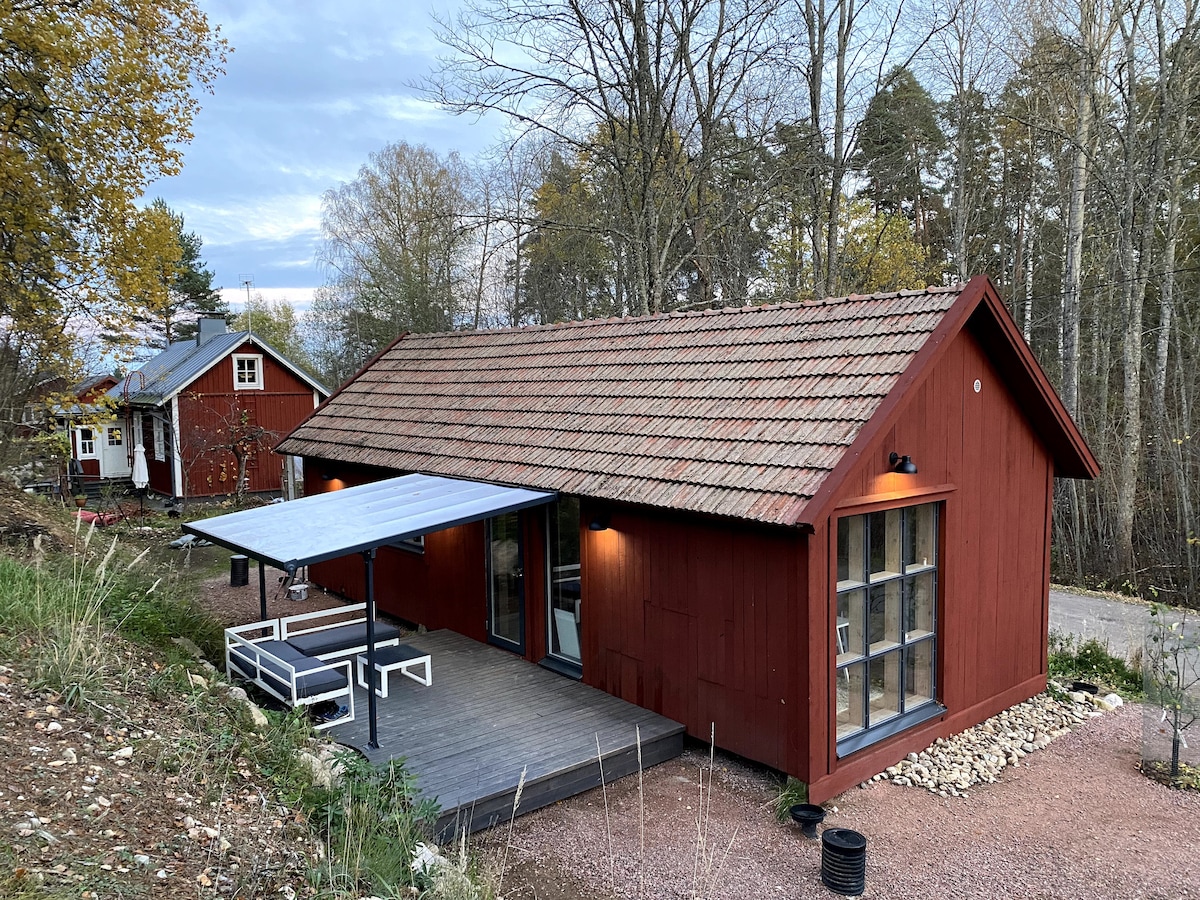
[(808, 816), (239, 570), (844, 861)]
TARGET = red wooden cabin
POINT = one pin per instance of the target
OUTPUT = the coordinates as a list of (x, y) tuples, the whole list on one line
[(822, 528), (188, 406)]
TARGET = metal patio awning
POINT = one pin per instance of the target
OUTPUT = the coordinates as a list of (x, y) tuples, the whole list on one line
[(359, 520), (326, 526)]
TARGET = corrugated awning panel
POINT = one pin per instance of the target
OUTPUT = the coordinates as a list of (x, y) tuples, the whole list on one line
[(326, 526)]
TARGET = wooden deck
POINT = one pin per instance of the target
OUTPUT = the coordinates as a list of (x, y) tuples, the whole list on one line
[(488, 715)]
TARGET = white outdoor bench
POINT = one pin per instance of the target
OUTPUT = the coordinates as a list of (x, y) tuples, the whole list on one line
[(401, 658), (289, 657), (288, 675)]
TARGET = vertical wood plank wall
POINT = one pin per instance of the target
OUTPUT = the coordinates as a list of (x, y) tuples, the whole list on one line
[(699, 621), (994, 566)]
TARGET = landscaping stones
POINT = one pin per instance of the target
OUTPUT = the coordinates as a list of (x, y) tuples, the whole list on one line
[(950, 767)]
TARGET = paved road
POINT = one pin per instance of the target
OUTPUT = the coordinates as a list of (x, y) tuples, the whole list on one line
[(1119, 622)]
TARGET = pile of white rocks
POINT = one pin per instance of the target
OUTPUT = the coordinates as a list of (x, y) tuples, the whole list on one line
[(951, 766)]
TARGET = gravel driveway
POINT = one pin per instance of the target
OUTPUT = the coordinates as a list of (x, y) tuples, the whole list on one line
[(1075, 820)]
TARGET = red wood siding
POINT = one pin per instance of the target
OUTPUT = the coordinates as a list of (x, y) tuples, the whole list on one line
[(699, 621), (209, 405), (159, 470), (977, 453)]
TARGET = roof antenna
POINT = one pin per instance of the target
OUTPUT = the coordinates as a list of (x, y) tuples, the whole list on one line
[(248, 282)]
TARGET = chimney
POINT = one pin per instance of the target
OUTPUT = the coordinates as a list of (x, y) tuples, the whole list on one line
[(207, 327)]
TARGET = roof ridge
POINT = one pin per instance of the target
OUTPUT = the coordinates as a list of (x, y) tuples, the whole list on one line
[(699, 313)]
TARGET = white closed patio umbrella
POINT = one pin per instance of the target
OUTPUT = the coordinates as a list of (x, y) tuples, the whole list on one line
[(141, 478)]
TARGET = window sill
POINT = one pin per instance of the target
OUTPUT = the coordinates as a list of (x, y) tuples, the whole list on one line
[(890, 728), (562, 667)]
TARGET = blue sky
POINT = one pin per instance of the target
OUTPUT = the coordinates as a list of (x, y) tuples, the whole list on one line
[(311, 89)]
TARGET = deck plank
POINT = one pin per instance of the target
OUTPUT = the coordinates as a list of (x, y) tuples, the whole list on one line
[(488, 716)]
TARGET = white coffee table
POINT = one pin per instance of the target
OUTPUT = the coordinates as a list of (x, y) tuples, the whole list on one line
[(401, 658)]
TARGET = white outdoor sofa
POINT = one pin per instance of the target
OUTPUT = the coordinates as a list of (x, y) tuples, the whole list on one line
[(291, 658)]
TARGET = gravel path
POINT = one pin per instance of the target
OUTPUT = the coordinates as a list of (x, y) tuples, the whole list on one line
[(1075, 820)]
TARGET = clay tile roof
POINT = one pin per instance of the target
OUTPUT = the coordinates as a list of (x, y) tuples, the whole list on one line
[(734, 412)]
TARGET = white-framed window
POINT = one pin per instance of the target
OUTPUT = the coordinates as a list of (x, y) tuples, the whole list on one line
[(247, 371), (886, 626), (160, 444), (87, 443), (114, 436)]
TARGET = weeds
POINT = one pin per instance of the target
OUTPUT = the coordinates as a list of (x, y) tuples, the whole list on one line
[(371, 822), (793, 792), (1091, 660)]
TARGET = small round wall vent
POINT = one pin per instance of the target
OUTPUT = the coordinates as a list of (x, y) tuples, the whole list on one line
[(978, 385)]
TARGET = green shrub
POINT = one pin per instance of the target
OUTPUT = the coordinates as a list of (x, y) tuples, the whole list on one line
[(1091, 661)]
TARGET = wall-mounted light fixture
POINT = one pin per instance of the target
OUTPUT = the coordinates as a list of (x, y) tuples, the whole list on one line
[(327, 475), (902, 464), (599, 521)]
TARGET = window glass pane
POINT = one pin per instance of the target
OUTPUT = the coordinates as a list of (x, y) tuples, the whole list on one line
[(885, 687), (885, 543), (114, 437), (851, 550), (918, 676), (883, 621), (920, 529), (850, 683), (919, 605), (564, 593), (850, 631)]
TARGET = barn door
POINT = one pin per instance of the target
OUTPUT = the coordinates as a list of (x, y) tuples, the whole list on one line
[(506, 583)]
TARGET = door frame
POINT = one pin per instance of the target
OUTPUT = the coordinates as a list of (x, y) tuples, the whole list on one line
[(492, 638)]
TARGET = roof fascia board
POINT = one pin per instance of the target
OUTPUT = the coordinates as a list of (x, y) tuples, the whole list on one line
[(252, 338), (288, 364), (819, 506), (978, 292), (1086, 464)]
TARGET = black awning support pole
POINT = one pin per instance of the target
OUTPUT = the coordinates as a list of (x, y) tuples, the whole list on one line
[(372, 711), (262, 590)]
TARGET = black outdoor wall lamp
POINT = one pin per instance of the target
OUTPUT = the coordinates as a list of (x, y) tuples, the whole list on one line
[(902, 464), (599, 521)]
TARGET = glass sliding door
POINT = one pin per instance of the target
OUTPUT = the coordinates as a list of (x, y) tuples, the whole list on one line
[(506, 587), (563, 594)]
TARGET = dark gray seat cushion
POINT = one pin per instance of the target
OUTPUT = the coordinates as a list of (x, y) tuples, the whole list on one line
[(341, 638), (278, 677), (386, 656)]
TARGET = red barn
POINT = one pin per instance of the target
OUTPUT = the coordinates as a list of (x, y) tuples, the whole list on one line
[(823, 528), (204, 409)]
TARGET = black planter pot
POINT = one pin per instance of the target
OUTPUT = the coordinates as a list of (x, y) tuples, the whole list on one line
[(808, 816)]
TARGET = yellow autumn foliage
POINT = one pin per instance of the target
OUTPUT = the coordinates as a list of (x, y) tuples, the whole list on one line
[(97, 100)]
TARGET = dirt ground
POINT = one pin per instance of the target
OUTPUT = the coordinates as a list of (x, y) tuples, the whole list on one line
[(1076, 820)]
